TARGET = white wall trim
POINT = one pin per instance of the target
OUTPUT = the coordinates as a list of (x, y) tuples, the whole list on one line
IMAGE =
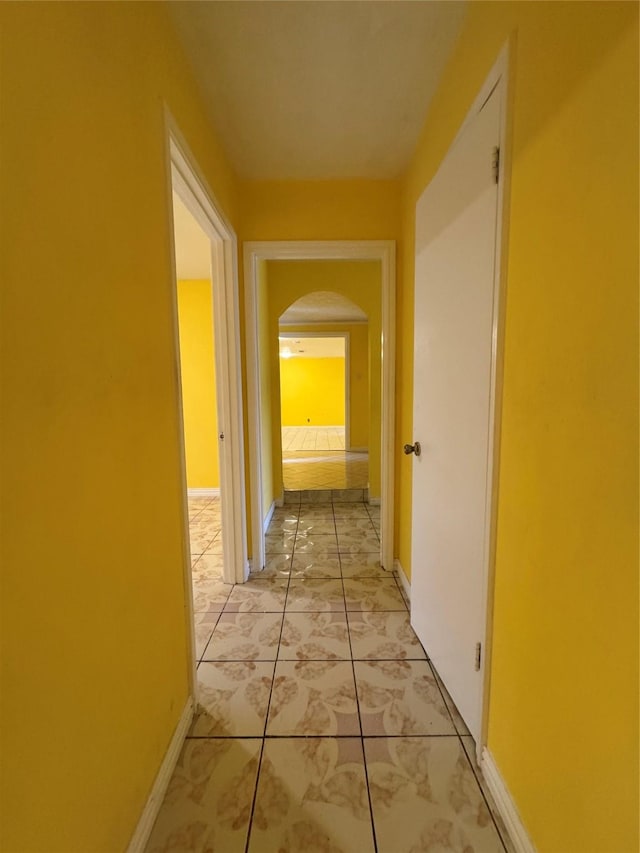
[(505, 804), (404, 580), (203, 493), (154, 801), (268, 517), (380, 250)]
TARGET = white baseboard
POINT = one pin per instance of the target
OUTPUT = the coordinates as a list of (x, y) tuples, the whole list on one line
[(150, 812), (268, 517), (403, 578), (203, 493), (505, 804), (375, 501)]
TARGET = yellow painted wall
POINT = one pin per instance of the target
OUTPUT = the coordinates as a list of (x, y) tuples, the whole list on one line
[(197, 370), (94, 642), (358, 281), (563, 724), (358, 373), (312, 391)]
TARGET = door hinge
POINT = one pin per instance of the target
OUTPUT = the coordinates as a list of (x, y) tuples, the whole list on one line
[(495, 163), (478, 655)]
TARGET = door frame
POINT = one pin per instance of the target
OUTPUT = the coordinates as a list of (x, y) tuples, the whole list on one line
[(347, 368), (302, 250), (184, 177)]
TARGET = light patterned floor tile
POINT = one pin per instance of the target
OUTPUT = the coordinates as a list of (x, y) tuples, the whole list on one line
[(275, 566), (261, 596), (208, 802), (372, 594), (314, 636), (245, 636), (363, 565), (311, 527), (315, 595), (355, 527), (344, 511), (279, 543), (358, 541), (425, 797), (211, 563), (313, 698), (458, 722), (204, 623), (210, 596), (310, 566), (319, 545), (312, 797), (233, 699), (383, 635), (399, 697)]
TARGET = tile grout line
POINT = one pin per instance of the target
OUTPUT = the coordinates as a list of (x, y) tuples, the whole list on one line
[(355, 688)]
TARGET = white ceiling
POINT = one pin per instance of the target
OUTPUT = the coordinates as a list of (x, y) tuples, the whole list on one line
[(322, 306), (305, 347), (318, 89), (193, 247)]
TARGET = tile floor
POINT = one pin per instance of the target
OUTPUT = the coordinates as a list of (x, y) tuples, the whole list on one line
[(315, 458), (321, 726)]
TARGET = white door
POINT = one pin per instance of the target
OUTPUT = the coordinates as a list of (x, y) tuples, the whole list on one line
[(454, 322)]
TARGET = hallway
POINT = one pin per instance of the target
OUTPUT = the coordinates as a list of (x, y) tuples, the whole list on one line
[(321, 725)]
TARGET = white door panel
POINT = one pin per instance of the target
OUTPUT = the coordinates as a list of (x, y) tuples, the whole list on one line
[(454, 305)]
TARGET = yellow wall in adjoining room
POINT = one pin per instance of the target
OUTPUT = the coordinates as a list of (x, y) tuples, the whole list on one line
[(94, 640), (312, 391), (198, 378), (359, 281), (563, 712), (358, 368)]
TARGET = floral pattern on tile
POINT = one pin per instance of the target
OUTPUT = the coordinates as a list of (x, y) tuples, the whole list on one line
[(383, 635), (458, 722), (310, 566), (342, 511), (372, 594), (363, 565), (275, 566), (204, 623), (315, 595), (399, 697), (279, 543), (425, 797), (245, 636), (210, 595), (314, 636), (208, 801), (313, 698), (233, 699), (312, 796), (258, 595), (318, 545), (358, 541)]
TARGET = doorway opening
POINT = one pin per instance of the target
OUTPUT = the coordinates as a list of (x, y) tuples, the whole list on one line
[(206, 321), (279, 277), (320, 387)]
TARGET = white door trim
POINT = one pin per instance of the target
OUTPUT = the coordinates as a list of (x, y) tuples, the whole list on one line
[(499, 76), (379, 250), (347, 370), (185, 178)]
